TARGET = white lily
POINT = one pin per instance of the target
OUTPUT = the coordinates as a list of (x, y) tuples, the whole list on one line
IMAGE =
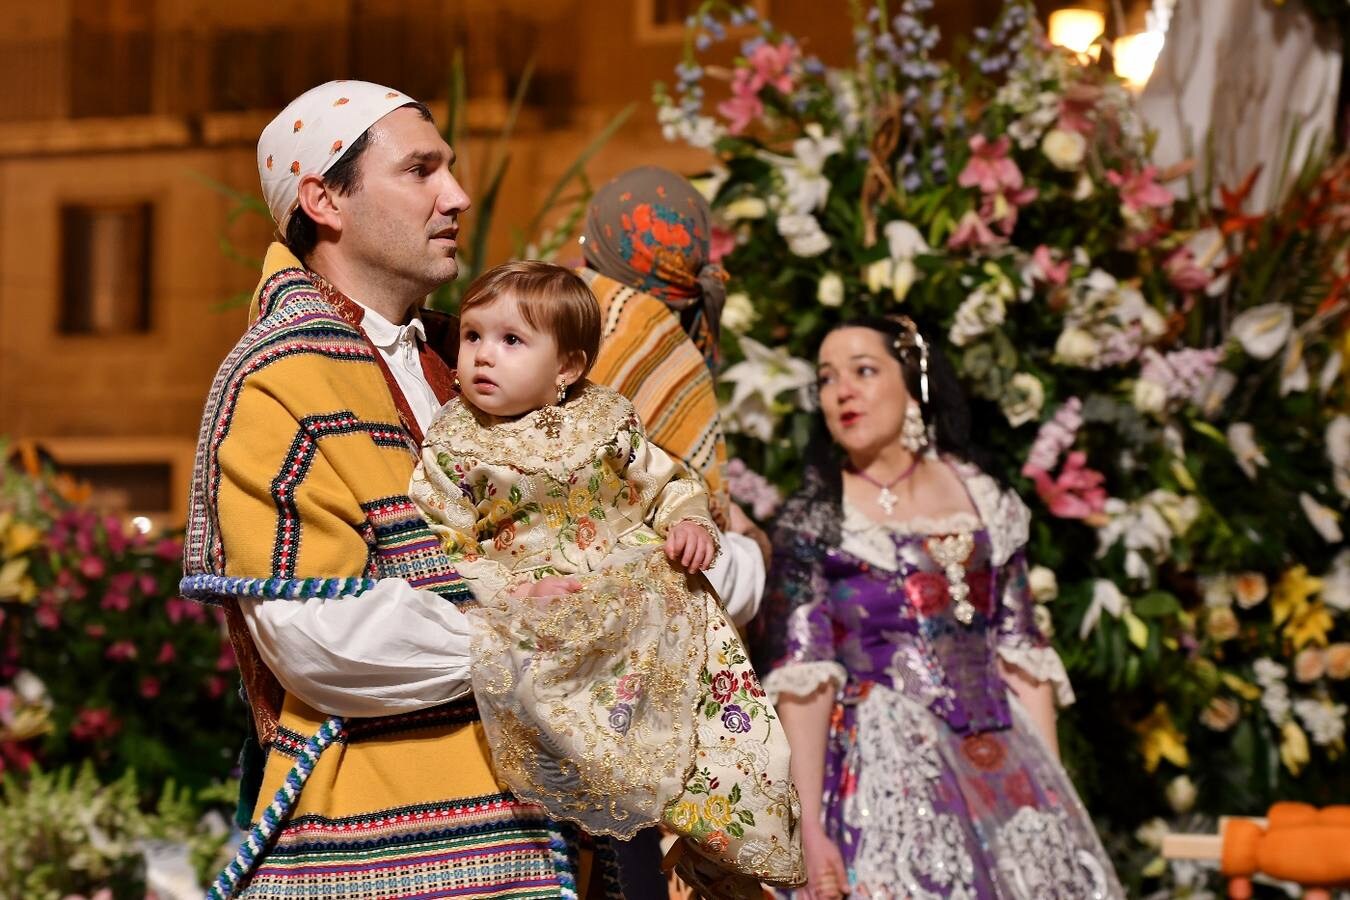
[(761, 378), (1105, 597), (805, 188), (904, 240), (738, 313), (1263, 330)]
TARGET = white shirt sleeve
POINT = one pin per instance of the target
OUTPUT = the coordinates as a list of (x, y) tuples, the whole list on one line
[(738, 577), (393, 649)]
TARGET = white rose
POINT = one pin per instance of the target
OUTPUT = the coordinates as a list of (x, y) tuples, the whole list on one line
[(1043, 583), (745, 208), (1064, 149), (738, 313), (1181, 794), (1076, 347), (979, 312), (1149, 396), (830, 291), (1023, 400)]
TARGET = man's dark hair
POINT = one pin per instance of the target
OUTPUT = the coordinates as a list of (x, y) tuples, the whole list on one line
[(302, 234)]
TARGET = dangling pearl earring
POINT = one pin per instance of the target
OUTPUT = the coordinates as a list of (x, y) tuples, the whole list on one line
[(458, 388), (914, 435), (562, 392)]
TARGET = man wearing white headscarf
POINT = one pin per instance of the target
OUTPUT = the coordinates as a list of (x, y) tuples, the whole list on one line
[(342, 609)]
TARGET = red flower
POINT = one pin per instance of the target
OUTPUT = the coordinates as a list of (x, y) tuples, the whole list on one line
[(985, 751), (121, 651), (169, 549), (751, 682), (1018, 788), (505, 536), (94, 724), (629, 687), (149, 687), (717, 841), (927, 592), (92, 567), (585, 532), (166, 653), (724, 685)]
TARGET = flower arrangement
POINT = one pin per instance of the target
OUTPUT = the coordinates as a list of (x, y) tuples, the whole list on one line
[(1161, 378), (65, 834), (100, 659)]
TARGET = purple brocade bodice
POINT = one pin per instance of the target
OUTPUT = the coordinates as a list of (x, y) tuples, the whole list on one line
[(901, 628)]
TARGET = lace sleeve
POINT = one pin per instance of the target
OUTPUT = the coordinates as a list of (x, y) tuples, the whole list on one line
[(1020, 642), (803, 679)]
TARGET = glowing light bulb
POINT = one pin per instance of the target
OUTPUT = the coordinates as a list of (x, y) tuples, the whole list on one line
[(1077, 29)]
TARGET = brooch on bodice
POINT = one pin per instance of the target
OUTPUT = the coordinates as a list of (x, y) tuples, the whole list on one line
[(951, 552), (550, 421)]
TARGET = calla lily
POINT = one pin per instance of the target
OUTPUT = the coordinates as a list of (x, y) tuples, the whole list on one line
[(1263, 330)]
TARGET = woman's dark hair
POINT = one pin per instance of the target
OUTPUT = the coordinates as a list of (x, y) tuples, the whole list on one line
[(302, 234), (947, 413)]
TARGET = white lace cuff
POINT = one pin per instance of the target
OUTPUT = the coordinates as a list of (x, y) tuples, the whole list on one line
[(1041, 664), (803, 679)]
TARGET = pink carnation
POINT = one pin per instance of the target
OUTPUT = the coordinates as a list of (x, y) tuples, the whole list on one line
[(94, 724), (121, 651), (1184, 274)]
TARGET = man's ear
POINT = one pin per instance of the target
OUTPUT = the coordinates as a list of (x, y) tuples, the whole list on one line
[(573, 366), (320, 202)]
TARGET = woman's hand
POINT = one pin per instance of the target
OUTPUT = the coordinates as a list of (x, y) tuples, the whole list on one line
[(690, 545), (826, 877)]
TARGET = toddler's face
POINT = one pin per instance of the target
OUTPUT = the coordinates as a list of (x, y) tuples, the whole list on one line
[(506, 368)]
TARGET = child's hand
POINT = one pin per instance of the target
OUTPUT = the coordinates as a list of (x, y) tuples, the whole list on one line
[(690, 545), (548, 587)]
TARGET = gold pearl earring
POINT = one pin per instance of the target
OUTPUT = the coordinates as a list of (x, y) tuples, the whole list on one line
[(562, 392)]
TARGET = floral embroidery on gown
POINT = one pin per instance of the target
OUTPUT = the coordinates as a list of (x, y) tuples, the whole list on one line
[(632, 701), (937, 784)]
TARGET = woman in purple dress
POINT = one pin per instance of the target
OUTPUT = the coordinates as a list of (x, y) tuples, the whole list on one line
[(898, 637)]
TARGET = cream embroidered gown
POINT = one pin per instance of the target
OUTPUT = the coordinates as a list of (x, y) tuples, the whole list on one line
[(632, 701)]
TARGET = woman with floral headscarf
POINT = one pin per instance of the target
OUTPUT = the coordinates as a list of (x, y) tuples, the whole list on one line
[(646, 244), (647, 248)]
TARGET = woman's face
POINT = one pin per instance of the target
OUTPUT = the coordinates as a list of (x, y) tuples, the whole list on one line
[(862, 390)]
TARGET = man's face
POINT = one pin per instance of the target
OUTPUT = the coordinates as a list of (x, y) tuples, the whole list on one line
[(403, 219)]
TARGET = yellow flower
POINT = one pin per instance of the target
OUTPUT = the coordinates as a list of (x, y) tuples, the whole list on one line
[(1293, 747), (15, 584), (20, 537), (1309, 625), (497, 510), (1292, 593), (683, 817), (580, 501), (717, 810), (555, 514), (1159, 740)]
